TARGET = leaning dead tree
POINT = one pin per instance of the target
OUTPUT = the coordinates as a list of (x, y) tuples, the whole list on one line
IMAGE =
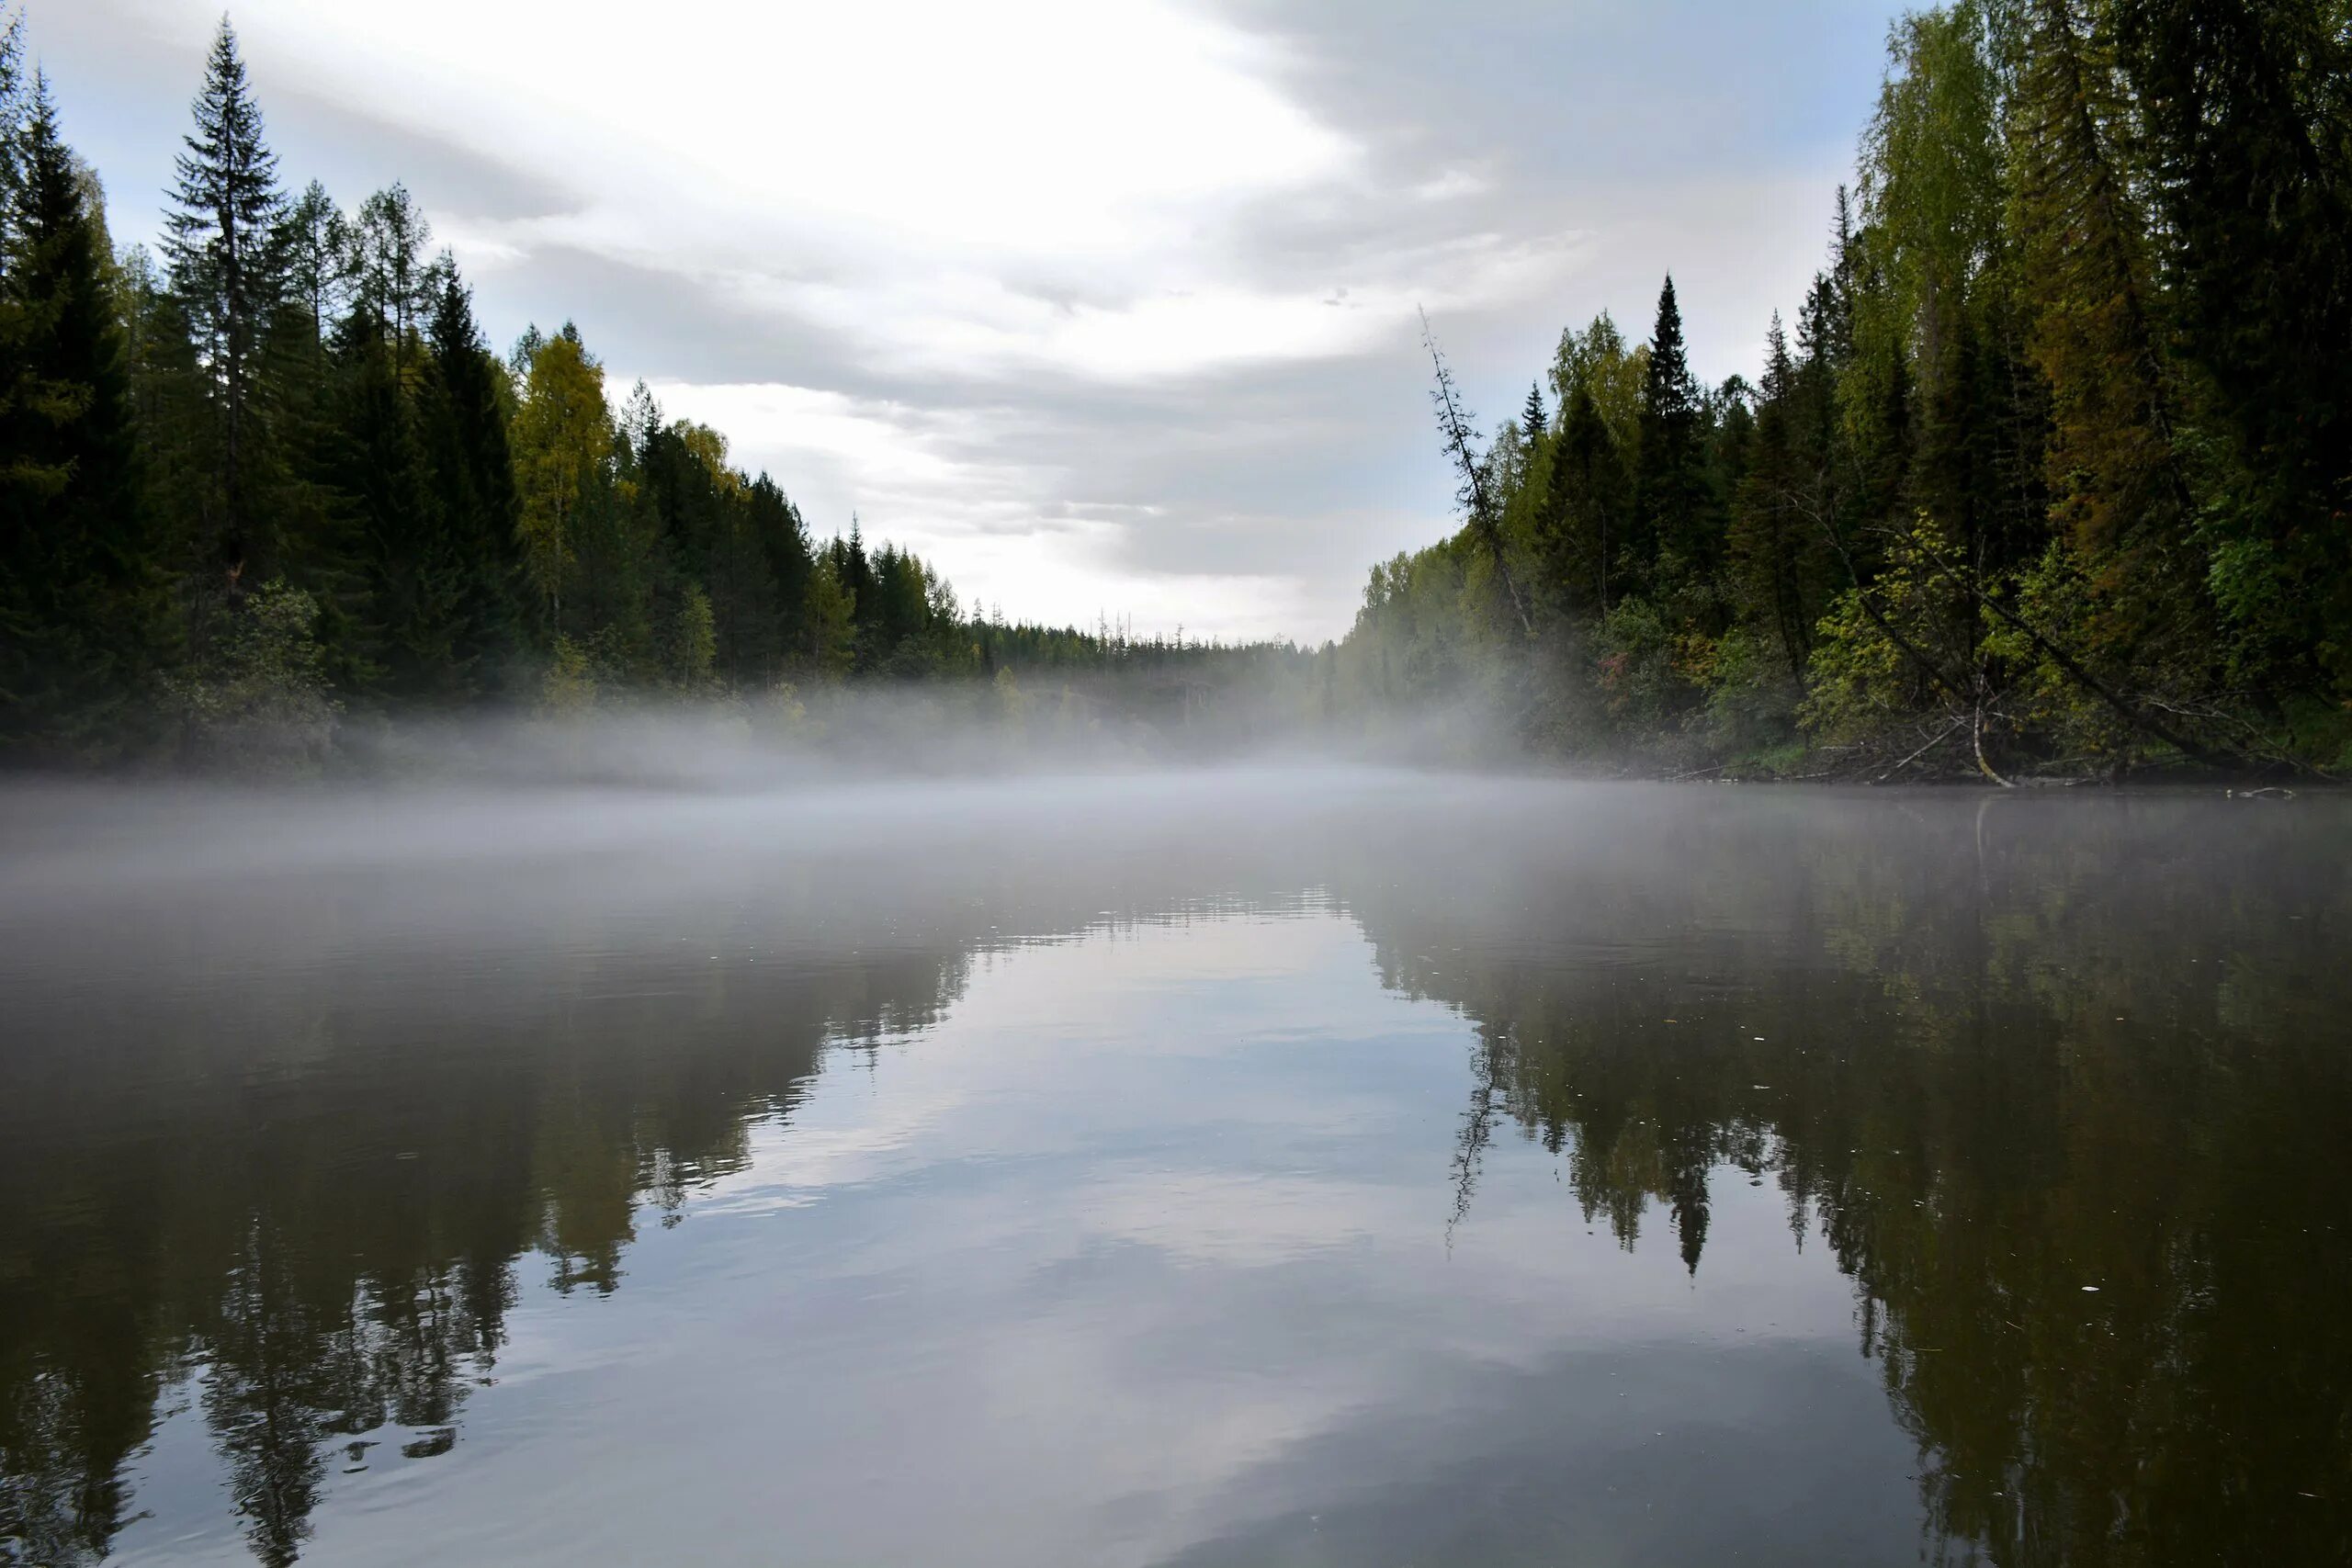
[(1453, 424)]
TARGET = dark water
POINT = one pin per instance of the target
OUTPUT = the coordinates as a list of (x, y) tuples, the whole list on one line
[(1268, 1168)]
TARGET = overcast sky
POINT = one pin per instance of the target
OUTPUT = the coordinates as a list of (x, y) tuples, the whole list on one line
[(1100, 306)]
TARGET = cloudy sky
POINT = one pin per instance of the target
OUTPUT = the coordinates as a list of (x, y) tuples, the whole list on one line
[(1103, 307)]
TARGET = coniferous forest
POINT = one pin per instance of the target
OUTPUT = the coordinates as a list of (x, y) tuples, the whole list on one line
[(2047, 475)]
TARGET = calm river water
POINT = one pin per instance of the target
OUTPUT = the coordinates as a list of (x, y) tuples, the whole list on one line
[(1262, 1168)]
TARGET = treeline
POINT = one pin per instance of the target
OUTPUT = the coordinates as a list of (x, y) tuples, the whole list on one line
[(270, 481), (2050, 475)]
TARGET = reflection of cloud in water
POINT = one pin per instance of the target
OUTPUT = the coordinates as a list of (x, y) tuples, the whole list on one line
[(1065, 1167)]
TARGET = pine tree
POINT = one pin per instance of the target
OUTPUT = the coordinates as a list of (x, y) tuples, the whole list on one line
[(1532, 421), (81, 603), (12, 119), (855, 571), (1672, 516), (228, 276), (783, 542), (463, 420), (1766, 543), (399, 643)]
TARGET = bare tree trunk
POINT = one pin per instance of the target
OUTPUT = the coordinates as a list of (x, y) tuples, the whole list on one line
[(1453, 421)]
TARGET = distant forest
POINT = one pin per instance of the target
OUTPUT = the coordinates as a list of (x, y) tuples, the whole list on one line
[(269, 482), (2049, 475)]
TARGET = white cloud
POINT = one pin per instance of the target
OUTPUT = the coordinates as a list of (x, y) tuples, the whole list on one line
[(1025, 127), (1104, 306)]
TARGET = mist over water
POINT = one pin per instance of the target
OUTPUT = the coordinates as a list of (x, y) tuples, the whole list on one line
[(686, 1154)]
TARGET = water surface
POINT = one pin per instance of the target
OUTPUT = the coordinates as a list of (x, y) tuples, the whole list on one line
[(1269, 1168)]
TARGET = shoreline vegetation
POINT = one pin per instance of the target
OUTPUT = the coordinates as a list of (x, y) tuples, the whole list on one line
[(2048, 479)]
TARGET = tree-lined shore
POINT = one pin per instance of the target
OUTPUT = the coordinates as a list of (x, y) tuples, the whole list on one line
[(2048, 476), (266, 482)]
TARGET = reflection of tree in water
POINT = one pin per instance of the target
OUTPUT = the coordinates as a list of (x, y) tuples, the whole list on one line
[(305, 1216), (1985, 1069), (320, 1237)]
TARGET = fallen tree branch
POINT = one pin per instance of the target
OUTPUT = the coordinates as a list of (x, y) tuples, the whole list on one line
[(1939, 739), (2075, 672)]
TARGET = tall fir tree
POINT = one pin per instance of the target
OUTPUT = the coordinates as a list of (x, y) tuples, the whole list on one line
[(227, 272), (1672, 520)]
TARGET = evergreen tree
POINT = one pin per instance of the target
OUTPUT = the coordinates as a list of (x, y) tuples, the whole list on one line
[(12, 130), (830, 616), (1582, 522), (775, 522), (2244, 114), (1671, 516), (1769, 553), (1533, 422), (227, 272), (407, 644), (82, 601), (463, 422)]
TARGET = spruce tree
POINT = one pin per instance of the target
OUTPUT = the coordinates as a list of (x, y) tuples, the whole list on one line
[(1671, 511), (1533, 422), (227, 272), (1766, 543), (82, 604), (405, 643), (784, 540), (463, 418), (12, 126)]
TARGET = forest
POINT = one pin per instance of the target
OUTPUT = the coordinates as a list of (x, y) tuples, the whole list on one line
[(2046, 477), (267, 489)]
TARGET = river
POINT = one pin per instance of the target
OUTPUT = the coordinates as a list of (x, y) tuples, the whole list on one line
[(1268, 1167)]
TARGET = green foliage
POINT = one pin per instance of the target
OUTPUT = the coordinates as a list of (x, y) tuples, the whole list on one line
[(2051, 474), (1633, 652), (2053, 478), (562, 445), (258, 702), (82, 588), (694, 646), (228, 273), (569, 688), (1885, 651)]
